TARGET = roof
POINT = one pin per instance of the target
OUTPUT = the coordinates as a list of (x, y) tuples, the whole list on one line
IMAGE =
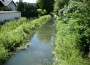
[(7, 2)]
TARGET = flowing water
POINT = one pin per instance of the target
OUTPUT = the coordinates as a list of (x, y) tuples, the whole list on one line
[(40, 50)]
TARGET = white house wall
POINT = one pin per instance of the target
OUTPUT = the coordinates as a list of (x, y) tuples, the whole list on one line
[(9, 16), (12, 6)]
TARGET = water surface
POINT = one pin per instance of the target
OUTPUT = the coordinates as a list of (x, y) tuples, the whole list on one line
[(40, 50)]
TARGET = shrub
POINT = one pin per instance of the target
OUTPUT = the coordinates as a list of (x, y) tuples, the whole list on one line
[(5, 8), (68, 47), (41, 11), (72, 38)]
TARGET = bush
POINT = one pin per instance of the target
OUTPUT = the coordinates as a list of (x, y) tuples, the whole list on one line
[(72, 38), (41, 12), (68, 47), (5, 8)]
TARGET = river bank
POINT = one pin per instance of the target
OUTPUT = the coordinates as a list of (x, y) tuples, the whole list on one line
[(14, 32), (70, 47), (40, 50)]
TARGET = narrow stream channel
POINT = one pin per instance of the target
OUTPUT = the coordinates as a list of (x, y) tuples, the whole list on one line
[(40, 50)]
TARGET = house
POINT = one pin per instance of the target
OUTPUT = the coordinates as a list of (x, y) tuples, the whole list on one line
[(9, 3), (9, 15)]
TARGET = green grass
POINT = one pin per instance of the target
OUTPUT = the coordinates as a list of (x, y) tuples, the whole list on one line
[(14, 32), (67, 45), (72, 42)]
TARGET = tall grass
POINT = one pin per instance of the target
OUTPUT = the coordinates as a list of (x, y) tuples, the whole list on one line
[(72, 43), (67, 45), (14, 32)]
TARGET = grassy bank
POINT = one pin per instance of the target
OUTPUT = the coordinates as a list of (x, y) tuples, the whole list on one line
[(72, 43), (14, 32), (68, 44)]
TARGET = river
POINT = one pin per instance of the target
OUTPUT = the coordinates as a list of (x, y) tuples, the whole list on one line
[(40, 50)]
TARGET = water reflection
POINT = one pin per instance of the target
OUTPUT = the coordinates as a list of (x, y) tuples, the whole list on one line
[(46, 33), (40, 51)]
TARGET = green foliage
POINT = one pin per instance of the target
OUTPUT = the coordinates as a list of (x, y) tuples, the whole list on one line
[(76, 8), (5, 8), (66, 49), (14, 32), (40, 4), (73, 34), (3, 52), (41, 11), (46, 4), (59, 4), (27, 9)]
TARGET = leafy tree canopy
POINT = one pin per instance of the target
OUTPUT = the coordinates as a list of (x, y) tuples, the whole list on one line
[(46, 4)]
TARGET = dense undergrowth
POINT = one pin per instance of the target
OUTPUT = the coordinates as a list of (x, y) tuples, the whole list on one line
[(67, 47), (72, 42), (14, 32)]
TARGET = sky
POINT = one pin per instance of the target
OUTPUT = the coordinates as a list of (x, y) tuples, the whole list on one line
[(30, 1)]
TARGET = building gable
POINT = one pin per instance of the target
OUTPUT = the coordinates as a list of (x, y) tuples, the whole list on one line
[(12, 6), (8, 3), (12, 2)]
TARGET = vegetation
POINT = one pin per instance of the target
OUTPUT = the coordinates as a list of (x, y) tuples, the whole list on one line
[(42, 7), (13, 33), (59, 4), (5, 8), (41, 12), (72, 42), (46, 4), (27, 9)]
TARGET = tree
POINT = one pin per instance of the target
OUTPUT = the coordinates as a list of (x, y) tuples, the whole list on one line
[(41, 12), (59, 4), (27, 9), (46, 4)]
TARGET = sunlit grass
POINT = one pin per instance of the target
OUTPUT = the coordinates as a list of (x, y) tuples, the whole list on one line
[(66, 49)]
